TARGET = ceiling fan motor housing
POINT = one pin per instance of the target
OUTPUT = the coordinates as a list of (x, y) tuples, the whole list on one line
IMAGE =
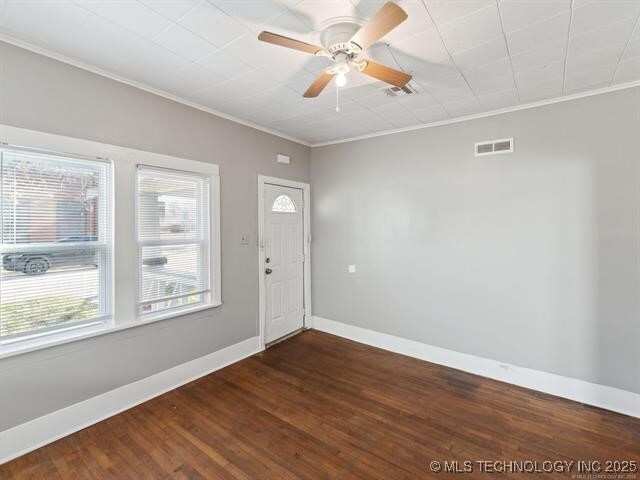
[(336, 37)]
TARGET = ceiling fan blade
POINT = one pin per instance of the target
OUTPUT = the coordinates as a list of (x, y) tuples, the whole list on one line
[(289, 42), (386, 74), (382, 22), (318, 85)]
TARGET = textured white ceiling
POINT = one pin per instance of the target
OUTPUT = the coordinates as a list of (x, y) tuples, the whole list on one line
[(467, 56)]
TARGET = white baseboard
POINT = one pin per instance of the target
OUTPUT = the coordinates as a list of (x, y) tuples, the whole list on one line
[(602, 396), (36, 433)]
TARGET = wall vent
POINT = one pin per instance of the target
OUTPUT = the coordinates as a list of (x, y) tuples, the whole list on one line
[(504, 145), (401, 91)]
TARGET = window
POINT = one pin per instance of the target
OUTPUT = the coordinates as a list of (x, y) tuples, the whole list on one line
[(56, 243), (77, 260), (283, 204), (173, 239)]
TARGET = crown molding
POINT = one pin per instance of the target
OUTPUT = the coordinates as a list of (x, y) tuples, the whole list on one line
[(542, 103), (161, 93), (48, 53)]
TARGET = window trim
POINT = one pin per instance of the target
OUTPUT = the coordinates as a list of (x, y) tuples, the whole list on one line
[(123, 277)]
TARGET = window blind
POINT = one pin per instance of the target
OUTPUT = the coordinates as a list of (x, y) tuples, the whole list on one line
[(173, 239), (55, 242)]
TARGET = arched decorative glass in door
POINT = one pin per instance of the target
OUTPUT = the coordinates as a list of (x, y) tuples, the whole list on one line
[(283, 204)]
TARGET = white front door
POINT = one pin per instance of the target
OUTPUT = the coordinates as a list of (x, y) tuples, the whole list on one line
[(284, 257)]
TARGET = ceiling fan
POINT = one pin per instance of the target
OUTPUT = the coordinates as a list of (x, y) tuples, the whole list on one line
[(345, 42)]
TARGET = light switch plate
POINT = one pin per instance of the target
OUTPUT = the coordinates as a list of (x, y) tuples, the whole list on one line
[(244, 240), (352, 268)]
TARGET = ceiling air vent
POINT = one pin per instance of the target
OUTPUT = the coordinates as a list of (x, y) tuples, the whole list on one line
[(492, 147), (400, 91)]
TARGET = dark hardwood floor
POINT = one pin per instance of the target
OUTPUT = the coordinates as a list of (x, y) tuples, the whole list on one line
[(318, 406)]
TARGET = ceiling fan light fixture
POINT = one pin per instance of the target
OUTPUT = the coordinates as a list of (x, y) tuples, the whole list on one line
[(341, 80)]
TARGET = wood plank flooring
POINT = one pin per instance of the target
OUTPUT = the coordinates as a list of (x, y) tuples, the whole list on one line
[(318, 406)]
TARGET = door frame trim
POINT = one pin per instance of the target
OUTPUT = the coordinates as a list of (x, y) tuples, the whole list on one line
[(306, 228)]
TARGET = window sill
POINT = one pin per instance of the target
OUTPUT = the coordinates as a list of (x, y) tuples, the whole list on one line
[(53, 340)]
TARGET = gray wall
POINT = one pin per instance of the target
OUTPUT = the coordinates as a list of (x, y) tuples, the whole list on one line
[(43, 94), (530, 258)]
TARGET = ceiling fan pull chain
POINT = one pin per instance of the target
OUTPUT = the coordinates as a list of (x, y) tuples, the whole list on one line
[(337, 99)]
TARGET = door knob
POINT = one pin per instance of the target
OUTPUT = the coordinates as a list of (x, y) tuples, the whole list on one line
[(267, 260), (268, 271)]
